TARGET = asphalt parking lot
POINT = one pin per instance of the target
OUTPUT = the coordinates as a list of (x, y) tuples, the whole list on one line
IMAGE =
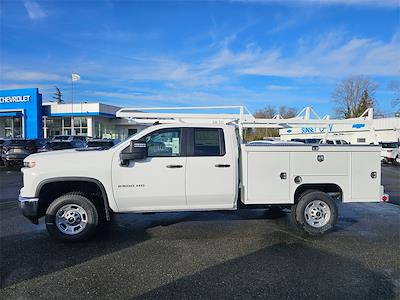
[(244, 254)]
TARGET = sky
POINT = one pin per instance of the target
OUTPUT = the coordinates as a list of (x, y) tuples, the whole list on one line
[(200, 53)]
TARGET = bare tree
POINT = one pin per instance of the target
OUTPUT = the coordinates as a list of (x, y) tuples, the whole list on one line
[(395, 87), (354, 94), (269, 112)]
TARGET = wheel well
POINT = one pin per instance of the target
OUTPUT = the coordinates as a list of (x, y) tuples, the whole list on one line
[(330, 188), (89, 189)]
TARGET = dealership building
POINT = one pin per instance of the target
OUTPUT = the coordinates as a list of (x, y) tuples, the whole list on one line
[(23, 114)]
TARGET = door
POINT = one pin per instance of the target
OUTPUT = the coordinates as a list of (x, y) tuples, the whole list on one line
[(156, 183), (210, 170), (268, 177), (364, 186)]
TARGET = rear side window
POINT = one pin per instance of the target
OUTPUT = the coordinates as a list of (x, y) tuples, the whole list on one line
[(208, 142)]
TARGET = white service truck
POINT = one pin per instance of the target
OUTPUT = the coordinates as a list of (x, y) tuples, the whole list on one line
[(195, 167)]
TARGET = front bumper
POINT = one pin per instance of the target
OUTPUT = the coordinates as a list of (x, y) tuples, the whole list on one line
[(14, 156), (29, 208)]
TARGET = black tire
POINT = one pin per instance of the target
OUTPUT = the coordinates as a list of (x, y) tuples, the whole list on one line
[(73, 200), (395, 161), (308, 201)]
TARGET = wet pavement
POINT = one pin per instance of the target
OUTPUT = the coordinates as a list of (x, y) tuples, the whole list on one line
[(244, 254)]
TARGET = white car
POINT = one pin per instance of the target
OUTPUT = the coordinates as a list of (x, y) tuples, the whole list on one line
[(390, 152), (334, 142), (273, 142)]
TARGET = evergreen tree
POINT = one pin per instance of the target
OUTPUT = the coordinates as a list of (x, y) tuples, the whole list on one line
[(58, 96)]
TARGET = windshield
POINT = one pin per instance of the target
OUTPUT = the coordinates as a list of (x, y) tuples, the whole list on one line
[(389, 145), (17, 143), (58, 146), (100, 144), (61, 137)]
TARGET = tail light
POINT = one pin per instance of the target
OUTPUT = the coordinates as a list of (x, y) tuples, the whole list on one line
[(385, 197)]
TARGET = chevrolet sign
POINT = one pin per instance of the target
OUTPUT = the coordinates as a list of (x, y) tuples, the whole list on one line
[(15, 99)]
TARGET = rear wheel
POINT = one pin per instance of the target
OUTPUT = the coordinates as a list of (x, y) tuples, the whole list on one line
[(315, 213), (71, 217)]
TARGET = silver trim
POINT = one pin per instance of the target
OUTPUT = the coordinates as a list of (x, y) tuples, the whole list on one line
[(27, 199)]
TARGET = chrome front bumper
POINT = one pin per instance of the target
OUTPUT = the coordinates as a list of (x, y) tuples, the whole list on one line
[(29, 208)]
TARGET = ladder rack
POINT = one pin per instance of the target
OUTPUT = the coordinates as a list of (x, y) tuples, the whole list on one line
[(242, 119)]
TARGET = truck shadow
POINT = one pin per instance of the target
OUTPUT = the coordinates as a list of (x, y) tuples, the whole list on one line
[(281, 271), (34, 254), (30, 255)]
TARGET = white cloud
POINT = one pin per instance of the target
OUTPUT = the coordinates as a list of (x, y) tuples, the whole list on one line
[(330, 56), (274, 87), (13, 74), (34, 10)]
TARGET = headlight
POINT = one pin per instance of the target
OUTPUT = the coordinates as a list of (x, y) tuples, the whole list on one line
[(29, 164)]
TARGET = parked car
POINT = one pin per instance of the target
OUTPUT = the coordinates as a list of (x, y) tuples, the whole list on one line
[(39, 143), (334, 142), (273, 142), (390, 152), (69, 138), (14, 151), (1, 151), (101, 143), (62, 145), (307, 141)]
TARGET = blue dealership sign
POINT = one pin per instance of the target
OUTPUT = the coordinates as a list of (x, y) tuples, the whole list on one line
[(26, 103)]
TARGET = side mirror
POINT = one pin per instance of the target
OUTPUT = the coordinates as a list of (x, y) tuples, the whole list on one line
[(137, 150)]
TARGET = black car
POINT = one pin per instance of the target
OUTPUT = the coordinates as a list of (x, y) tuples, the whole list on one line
[(39, 143), (1, 151), (14, 151), (101, 143), (69, 138), (62, 145)]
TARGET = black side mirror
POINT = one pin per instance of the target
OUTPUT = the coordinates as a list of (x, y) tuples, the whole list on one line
[(136, 150)]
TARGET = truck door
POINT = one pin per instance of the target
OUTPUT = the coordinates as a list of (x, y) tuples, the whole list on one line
[(211, 179), (156, 183)]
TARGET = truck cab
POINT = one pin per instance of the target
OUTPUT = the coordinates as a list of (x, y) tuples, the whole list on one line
[(185, 168)]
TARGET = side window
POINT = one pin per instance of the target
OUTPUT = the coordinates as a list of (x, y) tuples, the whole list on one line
[(208, 142), (329, 142), (164, 143)]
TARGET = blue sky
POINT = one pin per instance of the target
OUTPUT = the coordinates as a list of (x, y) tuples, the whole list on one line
[(164, 53)]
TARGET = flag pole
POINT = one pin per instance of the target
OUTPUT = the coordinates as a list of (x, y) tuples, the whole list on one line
[(72, 110)]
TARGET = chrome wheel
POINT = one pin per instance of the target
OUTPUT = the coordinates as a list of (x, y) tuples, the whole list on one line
[(71, 219), (317, 213)]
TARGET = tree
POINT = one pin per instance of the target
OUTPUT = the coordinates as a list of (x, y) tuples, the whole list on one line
[(353, 96), (395, 87), (269, 112), (58, 96)]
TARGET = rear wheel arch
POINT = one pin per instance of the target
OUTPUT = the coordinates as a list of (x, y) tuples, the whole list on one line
[(50, 189), (306, 188)]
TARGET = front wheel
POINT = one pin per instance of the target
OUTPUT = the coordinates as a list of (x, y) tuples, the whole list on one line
[(315, 213), (71, 217)]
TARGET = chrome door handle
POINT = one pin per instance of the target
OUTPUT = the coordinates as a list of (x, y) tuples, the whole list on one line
[(222, 166), (174, 166)]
